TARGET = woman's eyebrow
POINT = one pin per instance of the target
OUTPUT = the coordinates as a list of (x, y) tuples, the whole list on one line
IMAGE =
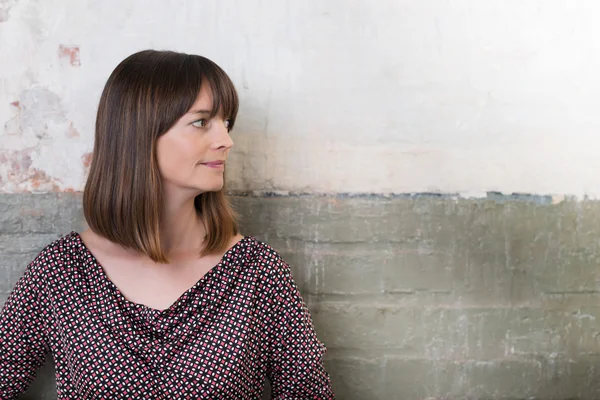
[(199, 112)]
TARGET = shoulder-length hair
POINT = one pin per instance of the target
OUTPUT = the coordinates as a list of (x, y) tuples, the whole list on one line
[(143, 98)]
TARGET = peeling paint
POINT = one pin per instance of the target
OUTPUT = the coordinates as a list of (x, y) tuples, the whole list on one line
[(557, 199), (40, 181), (86, 159), (528, 197), (13, 125), (18, 163), (38, 143), (72, 132), (17, 170), (493, 196), (71, 53)]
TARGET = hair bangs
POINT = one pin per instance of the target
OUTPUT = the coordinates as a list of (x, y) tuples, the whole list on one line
[(225, 100), (177, 82)]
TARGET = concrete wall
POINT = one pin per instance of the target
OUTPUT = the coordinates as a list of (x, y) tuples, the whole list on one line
[(377, 148), (379, 96)]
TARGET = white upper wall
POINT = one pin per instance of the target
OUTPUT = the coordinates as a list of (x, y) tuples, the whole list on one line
[(384, 96)]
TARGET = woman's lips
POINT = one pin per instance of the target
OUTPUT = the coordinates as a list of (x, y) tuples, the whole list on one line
[(215, 164)]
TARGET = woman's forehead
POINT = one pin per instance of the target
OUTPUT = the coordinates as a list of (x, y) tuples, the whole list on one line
[(204, 100), (204, 103)]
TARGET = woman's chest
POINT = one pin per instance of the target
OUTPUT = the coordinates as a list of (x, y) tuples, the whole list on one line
[(116, 353), (157, 287)]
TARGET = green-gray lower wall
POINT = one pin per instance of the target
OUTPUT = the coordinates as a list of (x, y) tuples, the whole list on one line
[(415, 297)]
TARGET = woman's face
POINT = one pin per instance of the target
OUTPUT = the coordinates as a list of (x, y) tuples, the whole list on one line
[(192, 154)]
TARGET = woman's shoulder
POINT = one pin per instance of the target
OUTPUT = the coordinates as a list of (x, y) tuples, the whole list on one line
[(260, 251), (62, 250), (263, 257)]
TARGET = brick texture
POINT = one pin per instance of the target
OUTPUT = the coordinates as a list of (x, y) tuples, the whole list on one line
[(416, 297)]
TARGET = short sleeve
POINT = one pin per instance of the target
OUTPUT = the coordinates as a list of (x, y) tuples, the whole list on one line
[(295, 367), (23, 346)]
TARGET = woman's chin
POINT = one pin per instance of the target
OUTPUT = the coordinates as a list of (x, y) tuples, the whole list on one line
[(209, 188)]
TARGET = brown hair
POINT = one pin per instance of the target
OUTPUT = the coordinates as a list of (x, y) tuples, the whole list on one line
[(143, 98)]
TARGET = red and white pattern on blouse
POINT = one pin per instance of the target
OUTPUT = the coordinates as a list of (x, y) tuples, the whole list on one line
[(243, 322)]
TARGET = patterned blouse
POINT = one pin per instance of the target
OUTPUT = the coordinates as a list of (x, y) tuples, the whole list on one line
[(243, 322)]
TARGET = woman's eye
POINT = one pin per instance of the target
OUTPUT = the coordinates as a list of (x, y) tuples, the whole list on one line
[(201, 123), (227, 123)]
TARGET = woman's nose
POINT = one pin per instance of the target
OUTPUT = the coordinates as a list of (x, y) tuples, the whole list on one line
[(223, 139)]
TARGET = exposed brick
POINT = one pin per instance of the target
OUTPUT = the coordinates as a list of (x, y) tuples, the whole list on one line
[(12, 268), (325, 219), (346, 268), (40, 213), (547, 379), (414, 297), (25, 243), (456, 333), (357, 378), (352, 326)]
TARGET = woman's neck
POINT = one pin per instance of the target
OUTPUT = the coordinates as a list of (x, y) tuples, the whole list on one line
[(181, 228)]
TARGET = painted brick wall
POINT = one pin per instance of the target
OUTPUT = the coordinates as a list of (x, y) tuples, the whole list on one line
[(416, 297)]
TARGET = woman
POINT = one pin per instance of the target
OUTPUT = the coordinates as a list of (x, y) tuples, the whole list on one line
[(161, 298)]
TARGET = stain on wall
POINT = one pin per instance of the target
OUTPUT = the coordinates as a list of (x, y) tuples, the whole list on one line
[(70, 53)]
